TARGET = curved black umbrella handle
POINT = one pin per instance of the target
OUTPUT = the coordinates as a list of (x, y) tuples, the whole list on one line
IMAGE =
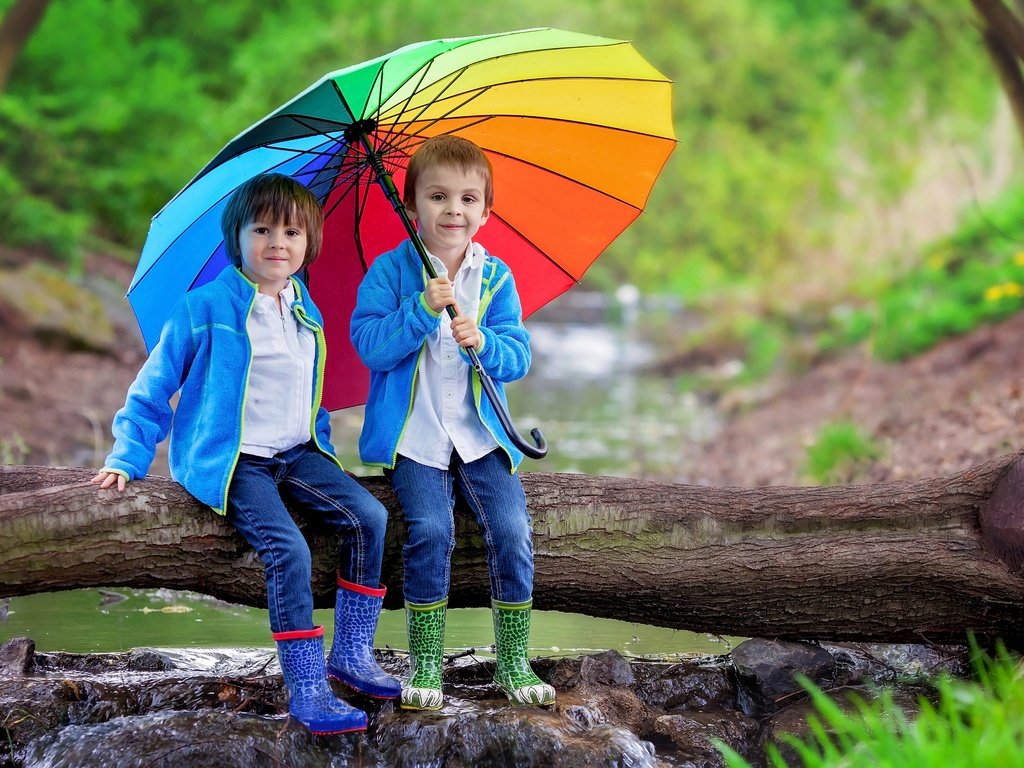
[(534, 452), (538, 451)]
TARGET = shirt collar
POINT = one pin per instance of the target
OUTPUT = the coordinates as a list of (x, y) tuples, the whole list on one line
[(266, 303), (475, 255)]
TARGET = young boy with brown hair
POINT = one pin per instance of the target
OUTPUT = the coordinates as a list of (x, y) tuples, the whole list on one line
[(426, 423), (246, 352)]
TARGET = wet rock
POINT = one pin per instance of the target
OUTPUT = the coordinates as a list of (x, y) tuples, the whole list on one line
[(700, 684), (888, 663), (767, 671), (692, 734), (17, 657), (794, 721), (135, 660), (602, 669), (196, 740), (502, 735)]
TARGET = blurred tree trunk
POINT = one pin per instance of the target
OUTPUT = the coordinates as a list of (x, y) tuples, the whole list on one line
[(1002, 27), (16, 28), (894, 562)]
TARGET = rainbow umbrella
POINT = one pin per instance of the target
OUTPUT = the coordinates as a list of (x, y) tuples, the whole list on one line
[(576, 127)]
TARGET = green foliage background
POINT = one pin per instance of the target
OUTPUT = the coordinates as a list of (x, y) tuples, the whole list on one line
[(114, 105)]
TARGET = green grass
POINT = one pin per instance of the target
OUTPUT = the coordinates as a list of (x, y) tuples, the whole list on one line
[(973, 277), (973, 723), (839, 453)]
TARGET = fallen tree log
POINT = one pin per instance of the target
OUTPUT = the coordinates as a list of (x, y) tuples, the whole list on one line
[(902, 561)]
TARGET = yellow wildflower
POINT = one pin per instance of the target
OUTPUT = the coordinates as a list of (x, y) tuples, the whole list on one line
[(994, 293)]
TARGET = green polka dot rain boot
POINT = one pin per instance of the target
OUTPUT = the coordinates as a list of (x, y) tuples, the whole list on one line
[(425, 624), (512, 672)]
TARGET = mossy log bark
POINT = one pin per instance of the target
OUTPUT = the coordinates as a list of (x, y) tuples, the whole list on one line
[(912, 561)]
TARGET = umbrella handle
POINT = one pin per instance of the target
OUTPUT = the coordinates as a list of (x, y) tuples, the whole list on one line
[(538, 451), (534, 452)]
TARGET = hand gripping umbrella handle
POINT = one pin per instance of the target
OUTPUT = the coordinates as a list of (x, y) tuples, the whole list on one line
[(538, 451), (534, 452)]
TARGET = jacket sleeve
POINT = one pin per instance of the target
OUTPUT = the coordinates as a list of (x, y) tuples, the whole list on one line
[(505, 354), (145, 419), (386, 326)]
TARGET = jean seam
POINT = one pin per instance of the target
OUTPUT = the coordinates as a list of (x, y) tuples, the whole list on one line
[(280, 609), (352, 518), (436, 482), (448, 487), (469, 491)]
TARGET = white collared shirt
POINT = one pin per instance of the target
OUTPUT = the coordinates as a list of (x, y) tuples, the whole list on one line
[(279, 399), (444, 416)]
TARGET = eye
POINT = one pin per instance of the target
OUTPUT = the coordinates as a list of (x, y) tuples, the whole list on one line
[(260, 230), (294, 232), (469, 200), (437, 197)]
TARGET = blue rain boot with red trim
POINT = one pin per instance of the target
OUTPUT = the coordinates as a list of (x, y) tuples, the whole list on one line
[(352, 662), (310, 699)]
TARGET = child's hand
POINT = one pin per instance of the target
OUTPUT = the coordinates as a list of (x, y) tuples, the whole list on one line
[(106, 479), (439, 293), (465, 331)]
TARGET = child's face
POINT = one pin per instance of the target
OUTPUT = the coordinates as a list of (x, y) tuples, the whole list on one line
[(271, 253), (449, 208)]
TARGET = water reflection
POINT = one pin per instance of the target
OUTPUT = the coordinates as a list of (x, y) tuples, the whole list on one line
[(81, 621)]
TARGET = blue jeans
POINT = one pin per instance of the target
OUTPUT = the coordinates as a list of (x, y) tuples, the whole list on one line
[(495, 496), (315, 488)]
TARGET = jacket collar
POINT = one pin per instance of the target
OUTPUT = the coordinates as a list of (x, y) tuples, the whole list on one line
[(245, 289)]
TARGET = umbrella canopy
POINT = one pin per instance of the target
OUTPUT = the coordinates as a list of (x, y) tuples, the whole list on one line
[(577, 129)]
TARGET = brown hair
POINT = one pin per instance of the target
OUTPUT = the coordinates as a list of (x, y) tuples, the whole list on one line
[(275, 198), (452, 151)]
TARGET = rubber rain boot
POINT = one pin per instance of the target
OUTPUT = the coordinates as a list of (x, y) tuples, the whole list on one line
[(356, 610), (512, 671), (310, 699), (425, 624)]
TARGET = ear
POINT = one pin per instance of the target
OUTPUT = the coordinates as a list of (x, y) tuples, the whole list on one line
[(485, 217), (411, 210)]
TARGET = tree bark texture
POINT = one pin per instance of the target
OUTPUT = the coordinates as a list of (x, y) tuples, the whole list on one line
[(909, 561), (1003, 35), (16, 27)]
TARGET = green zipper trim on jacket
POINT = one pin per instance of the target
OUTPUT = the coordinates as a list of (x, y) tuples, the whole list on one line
[(477, 398), (485, 300), (474, 379), (245, 396), (321, 357)]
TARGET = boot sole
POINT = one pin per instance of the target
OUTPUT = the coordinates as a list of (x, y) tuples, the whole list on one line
[(335, 733), (357, 689)]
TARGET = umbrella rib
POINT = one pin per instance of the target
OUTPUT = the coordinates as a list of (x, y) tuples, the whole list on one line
[(535, 247), (139, 278)]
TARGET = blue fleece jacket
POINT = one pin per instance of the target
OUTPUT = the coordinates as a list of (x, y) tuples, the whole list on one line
[(390, 326), (204, 351)]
